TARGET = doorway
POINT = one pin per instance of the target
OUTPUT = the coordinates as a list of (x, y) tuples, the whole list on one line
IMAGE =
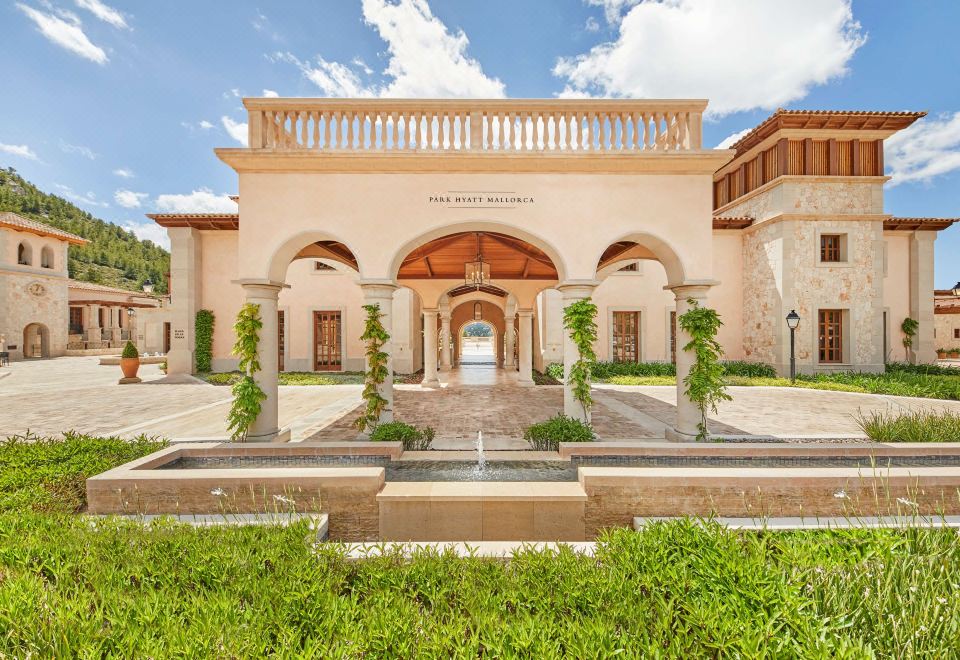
[(478, 343), (327, 342), (36, 341)]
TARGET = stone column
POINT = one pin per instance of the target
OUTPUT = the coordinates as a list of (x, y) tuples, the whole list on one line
[(115, 323), (381, 293), (688, 414), (921, 296), (430, 348), (571, 407), (263, 293), (445, 343), (526, 348), (185, 264), (92, 327), (510, 339)]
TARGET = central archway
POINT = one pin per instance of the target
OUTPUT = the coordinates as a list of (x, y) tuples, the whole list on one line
[(477, 343), (36, 341)]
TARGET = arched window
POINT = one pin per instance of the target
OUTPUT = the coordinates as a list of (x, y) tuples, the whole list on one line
[(46, 257), (24, 254)]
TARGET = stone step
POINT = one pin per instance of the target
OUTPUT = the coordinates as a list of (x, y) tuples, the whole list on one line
[(836, 522)]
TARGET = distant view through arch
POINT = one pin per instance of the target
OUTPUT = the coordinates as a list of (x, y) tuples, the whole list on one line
[(478, 343)]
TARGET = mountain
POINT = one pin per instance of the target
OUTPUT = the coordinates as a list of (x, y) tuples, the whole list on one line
[(114, 256)]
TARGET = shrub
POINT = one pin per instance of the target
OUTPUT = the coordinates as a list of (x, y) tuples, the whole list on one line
[(555, 371), (748, 369), (49, 474), (547, 436), (605, 370), (704, 382), (130, 351), (912, 426), (203, 349), (922, 369), (412, 437)]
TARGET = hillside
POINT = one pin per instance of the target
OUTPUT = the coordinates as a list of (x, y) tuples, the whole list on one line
[(114, 256)]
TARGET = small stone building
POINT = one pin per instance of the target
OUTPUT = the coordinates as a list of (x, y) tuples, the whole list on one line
[(33, 287), (946, 314)]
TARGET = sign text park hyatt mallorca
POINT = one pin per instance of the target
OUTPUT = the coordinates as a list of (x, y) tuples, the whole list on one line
[(480, 199)]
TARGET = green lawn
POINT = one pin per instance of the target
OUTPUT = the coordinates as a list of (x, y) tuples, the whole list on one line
[(293, 378), (74, 587)]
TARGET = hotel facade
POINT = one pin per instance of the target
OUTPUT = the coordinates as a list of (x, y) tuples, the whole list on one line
[(450, 212)]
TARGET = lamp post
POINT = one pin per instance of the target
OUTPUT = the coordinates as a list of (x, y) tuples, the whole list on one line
[(147, 286), (793, 320)]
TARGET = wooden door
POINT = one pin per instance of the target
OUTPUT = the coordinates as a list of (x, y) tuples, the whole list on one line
[(326, 341), (831, 335), (281, 318), (626, 336)]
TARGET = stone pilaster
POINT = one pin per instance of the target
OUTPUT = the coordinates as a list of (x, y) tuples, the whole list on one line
[(525, 355), (430, 348), (445, 344), (921, 295), (185, 261), (688, 414), (510, 339)]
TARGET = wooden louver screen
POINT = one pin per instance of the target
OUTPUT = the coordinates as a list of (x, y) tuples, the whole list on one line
[(326, 331), (626, 336), (281, 323), (830, 326)]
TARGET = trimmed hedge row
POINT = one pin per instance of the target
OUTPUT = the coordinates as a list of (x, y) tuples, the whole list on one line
[(605, 370)]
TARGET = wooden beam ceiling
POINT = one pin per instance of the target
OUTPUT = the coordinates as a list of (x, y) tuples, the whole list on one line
[(509, 258)]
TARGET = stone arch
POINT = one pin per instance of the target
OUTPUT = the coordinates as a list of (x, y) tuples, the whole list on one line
[(461, 314), (481, 226), (25, 253), (646, 246), (46, 257), (310, 245), (36, 339)]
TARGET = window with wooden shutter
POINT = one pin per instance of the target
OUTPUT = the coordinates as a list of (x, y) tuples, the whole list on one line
[(626, 336)]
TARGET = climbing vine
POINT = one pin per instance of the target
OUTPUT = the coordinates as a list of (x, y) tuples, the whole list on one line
[(203, 325), (909, 328), (579, 318), (247, 395), (704, 383), (376, 336)]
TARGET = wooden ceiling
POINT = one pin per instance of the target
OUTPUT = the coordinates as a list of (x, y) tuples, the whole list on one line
[(485, 288), (509, 258)]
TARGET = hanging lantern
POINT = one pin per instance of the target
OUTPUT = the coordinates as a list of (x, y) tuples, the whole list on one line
[(477, 273)]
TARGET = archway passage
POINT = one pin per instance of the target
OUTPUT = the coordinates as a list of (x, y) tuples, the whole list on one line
[(36, 341), (478, 344)]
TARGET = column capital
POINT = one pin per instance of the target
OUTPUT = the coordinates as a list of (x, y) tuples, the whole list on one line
[(577, 289), (525, 313), (430, 310), (378, 289), (261, 288), (696, 289)]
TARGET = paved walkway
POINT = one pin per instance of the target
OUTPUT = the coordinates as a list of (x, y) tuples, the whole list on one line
[(48, 397), (51, 396)]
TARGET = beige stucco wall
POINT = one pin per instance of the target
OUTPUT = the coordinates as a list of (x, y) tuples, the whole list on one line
[(946, 328), (896, 291)]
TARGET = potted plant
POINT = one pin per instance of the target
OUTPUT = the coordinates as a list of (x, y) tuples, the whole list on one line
[(941, 353), (130, 360), (955, 353)]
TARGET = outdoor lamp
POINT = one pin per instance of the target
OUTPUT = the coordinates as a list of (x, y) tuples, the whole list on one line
[(131, 311), (147, 286), (793, 320), (956, 289)]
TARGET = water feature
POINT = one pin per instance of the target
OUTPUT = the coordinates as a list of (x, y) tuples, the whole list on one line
[(481, 459)]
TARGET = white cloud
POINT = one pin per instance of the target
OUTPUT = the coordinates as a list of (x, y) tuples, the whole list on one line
[(740, 54), (149, 231), (104, 12), (86, 152), (89, 198), (929, 148), (21, 150), (205, 125), (612, 9), (199, 201), (66, 31), (270, 94), (591, 25), (235, 129), (731, 139), (426, 59), (129, 199), (124, 173)]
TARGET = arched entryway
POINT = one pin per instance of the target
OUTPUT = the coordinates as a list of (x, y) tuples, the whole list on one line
[(36, 341), (477, 344)]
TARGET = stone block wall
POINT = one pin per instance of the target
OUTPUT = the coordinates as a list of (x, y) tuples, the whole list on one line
[(28, 297)]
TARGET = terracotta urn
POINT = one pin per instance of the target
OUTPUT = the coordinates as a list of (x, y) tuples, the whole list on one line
[(130, 366)]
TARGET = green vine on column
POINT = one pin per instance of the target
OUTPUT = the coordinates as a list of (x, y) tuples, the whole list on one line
[(705, 386), (909, 328), (376, 336), (247, 395), (579, 318), (203, 325)]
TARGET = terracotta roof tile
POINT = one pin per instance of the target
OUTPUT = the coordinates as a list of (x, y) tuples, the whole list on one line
[(18, 222)]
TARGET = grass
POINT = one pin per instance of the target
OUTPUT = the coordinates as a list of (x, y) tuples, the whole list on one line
[(71, 589), (74, 587), (49, 474), (292, 378), (912, 426)]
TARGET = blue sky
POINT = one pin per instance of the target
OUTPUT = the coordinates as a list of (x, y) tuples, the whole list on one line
[(118, 105)]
